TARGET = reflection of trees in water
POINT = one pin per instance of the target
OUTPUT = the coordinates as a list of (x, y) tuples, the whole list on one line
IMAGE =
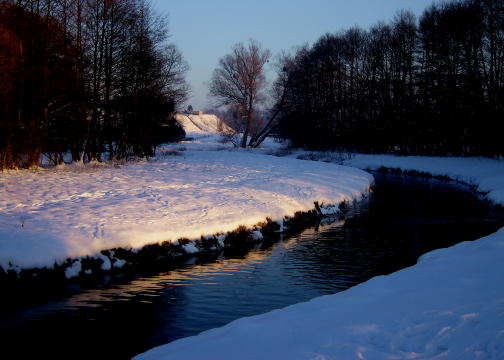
[(404, 218)]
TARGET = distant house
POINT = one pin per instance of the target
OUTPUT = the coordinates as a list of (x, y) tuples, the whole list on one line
[(197, 112)]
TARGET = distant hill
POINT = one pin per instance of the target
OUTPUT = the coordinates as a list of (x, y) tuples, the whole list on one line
[(202, 124)]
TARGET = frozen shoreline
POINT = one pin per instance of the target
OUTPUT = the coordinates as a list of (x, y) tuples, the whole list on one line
[(487, 175), (448, 306), (49, 215)]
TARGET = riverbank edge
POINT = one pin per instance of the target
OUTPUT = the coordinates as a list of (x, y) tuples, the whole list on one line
[(91, 269)]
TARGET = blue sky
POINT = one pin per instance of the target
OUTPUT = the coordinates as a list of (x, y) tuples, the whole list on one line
[(205, 30)]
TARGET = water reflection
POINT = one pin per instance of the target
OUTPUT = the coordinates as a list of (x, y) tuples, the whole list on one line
[(403, 219)]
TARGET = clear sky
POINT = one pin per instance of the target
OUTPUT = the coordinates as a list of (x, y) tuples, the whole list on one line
[(205, 30)]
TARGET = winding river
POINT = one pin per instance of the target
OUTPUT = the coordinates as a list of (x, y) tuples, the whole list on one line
[(403, 218)]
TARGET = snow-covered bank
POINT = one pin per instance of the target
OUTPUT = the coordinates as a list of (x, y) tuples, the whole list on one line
[(486, 174), (48, 215), (448, 306)]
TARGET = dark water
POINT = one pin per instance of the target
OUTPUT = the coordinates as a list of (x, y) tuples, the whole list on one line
[(404, 218)]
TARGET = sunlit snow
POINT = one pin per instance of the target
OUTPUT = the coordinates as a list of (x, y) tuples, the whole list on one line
[(73, 210), (202, 124)]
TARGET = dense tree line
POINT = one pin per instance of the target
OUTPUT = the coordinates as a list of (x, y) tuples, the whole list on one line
[(433, 85), (86, 78)]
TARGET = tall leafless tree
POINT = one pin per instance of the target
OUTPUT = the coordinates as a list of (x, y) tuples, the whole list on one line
[(284, 66), (239, 80)]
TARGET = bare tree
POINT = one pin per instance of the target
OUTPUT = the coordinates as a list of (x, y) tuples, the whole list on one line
[(239, 80), (174, 69), (282, 85)]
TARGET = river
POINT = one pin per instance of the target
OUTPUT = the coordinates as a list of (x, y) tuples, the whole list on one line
[(402, 219)]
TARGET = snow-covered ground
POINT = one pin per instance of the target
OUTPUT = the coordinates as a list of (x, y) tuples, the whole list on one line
[(48, 215), (448, 306)]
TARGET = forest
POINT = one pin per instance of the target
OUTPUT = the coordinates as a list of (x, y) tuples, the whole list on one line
[(433, 85), (86, 79)]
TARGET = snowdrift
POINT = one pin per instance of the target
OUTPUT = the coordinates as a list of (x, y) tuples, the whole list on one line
[(202, 124)]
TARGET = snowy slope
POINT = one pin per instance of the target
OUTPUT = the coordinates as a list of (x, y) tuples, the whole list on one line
[(72, 211), (202, 124), (448, 306)]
